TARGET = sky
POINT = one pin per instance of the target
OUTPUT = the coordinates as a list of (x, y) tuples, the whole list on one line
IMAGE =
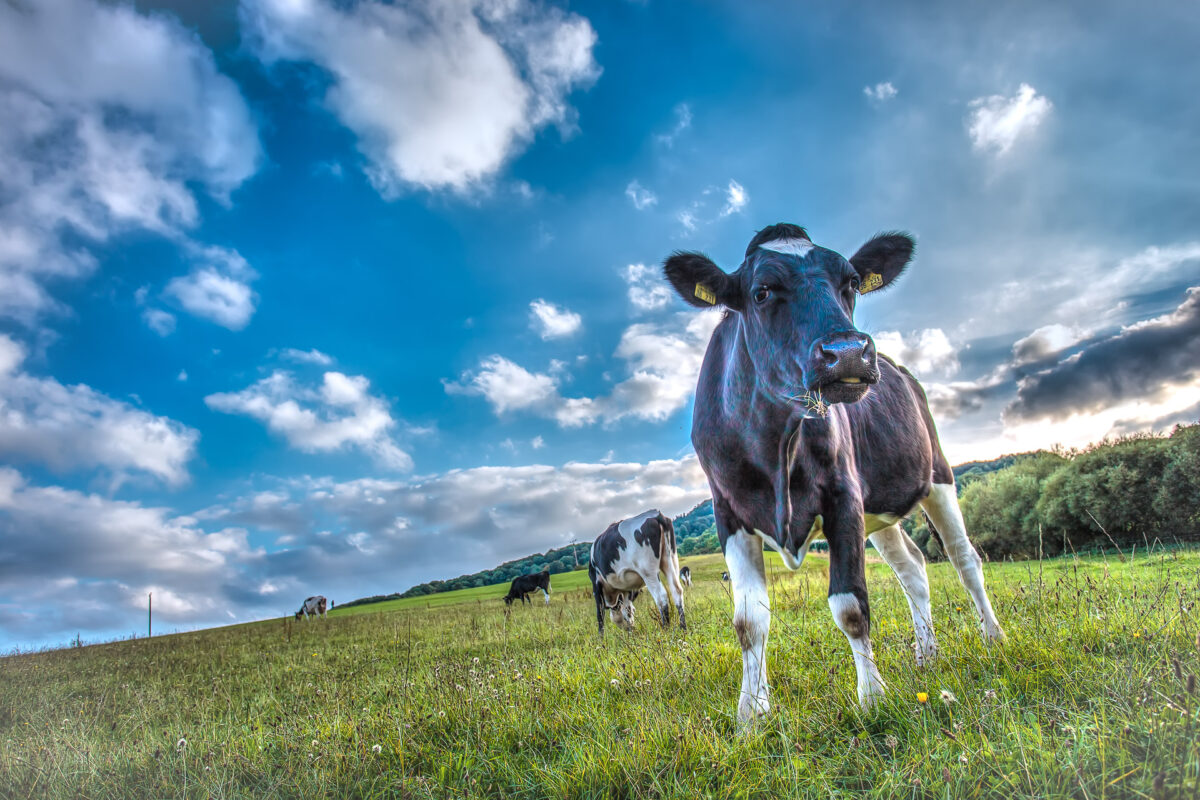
[(303, 296)]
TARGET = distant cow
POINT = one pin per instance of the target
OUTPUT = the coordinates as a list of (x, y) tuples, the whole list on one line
[(725, 576), (685, 575), (524, 584), (312, 605), (628, 556), (804, 431)]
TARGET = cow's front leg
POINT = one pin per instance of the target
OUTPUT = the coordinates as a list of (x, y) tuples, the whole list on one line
[(654, 585), (848, 597), (751, 621)]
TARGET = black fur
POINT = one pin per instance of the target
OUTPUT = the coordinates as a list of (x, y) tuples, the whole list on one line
[(523, 585)]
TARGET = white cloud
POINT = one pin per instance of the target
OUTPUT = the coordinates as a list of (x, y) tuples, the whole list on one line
[(217, 288), (111, 118), (553, 322), (110, 554), (648, 291), (159, 321), (683, 121), (313, 356), (440, 94), (1044, 342), (925, 353), (735, 198), (75, 427), (340, 413), (537, 443), (641, 197), (663, 361), (687, 219), (997, 122), (182, 376), (881, 92)]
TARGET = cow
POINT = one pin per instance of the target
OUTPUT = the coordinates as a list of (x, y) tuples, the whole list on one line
[(685, 576), (725, 576), (627, 557), (312, 605), (522, 585), (805, 431)]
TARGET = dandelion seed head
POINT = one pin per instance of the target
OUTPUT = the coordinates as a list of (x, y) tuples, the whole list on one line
[(376, 749), (948, 697)]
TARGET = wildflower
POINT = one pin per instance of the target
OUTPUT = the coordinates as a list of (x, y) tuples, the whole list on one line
[(441, 713), (614, 682), (891, 742), (181, 745), (989, 695), (922, 697), (475, 660), (314, 742), (376, 749), (963, 759), (948, 697)]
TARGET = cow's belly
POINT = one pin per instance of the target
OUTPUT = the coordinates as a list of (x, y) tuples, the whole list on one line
[(626, 580)]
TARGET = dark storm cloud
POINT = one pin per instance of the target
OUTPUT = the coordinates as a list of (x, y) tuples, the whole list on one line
[(1143, 361)]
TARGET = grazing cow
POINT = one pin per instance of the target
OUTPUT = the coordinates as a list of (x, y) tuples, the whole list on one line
[(804, 431), (685, 576), (522, 585), (312, 605), (626, 557)]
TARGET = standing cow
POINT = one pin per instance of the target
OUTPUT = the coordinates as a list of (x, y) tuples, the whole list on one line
[(626, 557), (312, 605), (523, 585), (804, 431), (685, 576)]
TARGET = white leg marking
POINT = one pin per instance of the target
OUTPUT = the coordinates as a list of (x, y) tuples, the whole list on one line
[(547, 594), (909, 566), (942, 508), (751, 621), (852, 622)]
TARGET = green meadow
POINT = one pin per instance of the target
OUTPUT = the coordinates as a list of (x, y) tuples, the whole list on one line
[(1093, 695)]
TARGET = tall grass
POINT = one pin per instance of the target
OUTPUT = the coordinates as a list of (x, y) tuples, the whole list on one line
[(1089, 697)]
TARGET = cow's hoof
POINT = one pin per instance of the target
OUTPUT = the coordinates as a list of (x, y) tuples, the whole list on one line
[(750, 709), (993, 634)]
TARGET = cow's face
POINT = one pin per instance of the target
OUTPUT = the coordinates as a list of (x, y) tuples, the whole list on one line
[(795, 302)]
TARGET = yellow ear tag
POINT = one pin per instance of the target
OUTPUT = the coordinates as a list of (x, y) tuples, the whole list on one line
[(706, 294), (870, 283)]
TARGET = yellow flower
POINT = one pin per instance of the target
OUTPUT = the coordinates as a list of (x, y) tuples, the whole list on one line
[(922, 697)]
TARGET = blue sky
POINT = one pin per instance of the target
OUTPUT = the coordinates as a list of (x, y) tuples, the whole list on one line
[(302, 297)]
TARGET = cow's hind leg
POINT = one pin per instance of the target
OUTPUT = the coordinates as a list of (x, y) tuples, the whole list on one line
[(751, 621), (942, 507), (655, 587), (670, 567), (597, 593), (907, 561)]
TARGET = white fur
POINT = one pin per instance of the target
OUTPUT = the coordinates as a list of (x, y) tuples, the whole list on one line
[(906, 560), (942, 507), (752, 615), (791, 247), (870, 684)]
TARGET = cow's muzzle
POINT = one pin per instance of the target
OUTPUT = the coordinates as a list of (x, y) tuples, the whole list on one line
[(842, 367)]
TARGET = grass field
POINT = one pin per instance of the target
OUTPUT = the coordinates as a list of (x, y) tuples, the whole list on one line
[(1089, 697)]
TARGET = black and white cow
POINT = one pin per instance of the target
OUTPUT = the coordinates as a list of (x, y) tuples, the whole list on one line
[(312, 605), (804, 431), (523, 585), (685, 576), (628, 556)]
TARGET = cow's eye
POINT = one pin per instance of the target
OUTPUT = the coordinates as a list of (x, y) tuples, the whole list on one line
[(761, 295)]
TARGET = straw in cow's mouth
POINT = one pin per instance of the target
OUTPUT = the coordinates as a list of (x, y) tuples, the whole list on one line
[(813, 403)]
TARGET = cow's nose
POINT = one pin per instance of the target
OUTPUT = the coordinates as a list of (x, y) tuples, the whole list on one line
[(845, 349)]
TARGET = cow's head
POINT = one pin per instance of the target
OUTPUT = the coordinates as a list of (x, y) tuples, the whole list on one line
[(795, 301)]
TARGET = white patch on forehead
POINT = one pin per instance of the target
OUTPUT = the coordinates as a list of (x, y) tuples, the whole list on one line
[(791, 247)]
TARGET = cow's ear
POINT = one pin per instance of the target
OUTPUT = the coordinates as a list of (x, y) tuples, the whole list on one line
[(702, 283), (881, 260)]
